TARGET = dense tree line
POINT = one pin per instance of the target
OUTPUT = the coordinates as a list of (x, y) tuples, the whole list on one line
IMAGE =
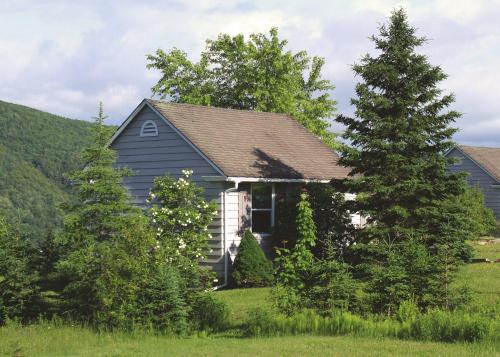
[(37, 149)]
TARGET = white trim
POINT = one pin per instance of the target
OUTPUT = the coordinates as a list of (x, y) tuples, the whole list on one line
[(263, 179), (224, 235), (238, 179), (272, 210), (152, 130), (138, 109), (273, 205)]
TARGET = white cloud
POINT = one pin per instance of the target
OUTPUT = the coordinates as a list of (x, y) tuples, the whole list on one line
[(65, 56)]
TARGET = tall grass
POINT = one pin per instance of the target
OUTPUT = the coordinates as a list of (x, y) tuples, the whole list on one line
[(434, 325)]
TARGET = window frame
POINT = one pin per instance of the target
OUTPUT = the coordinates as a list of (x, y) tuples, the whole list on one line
[(272, 209), (146, 123)]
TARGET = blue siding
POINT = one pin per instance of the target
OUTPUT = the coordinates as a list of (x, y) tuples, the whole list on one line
[(478, 177), (167, 153)]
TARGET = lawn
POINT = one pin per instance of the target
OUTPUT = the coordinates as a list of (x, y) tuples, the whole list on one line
[(483, 278), (41, 340), (47, 340), (243, 300)]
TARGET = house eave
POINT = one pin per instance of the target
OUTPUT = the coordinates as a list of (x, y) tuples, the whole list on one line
[(238, 179)]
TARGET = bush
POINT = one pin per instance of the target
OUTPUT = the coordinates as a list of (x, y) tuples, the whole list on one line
[(209, 313), (480, 218), (251, 268), (331, 287), (162, 303)]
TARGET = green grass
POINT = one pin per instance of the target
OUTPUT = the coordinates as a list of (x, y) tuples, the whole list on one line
[(242, 300), (48, 340), (41, 340), (483, 278)]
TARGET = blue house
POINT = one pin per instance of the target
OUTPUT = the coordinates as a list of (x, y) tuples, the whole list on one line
[(246, 161), (483, 166)]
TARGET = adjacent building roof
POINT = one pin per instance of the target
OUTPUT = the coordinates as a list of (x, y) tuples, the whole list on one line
[(488, 158), (243, 143)]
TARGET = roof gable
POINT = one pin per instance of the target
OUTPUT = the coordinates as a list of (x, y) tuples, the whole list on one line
[(487, 158), (138, 110)]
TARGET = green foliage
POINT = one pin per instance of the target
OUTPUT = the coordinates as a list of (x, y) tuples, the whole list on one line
[(480, 218), (409, 270), (209, 313), (108, 244), (435, 325), (162, 303), (402, 274), (334, 227), (257, 74), (399, 136), (294, 264), (180, 217), (331, 287), (398, 140), (19, 292), (251, 268), (36, 150)]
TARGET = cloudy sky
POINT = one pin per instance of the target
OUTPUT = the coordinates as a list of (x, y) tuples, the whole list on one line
[(65, 56)]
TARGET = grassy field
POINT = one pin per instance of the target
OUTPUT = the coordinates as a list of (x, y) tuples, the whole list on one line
[(483, 278), (38, 341), (47, 340)]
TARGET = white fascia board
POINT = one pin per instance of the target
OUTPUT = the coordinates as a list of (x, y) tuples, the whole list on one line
[(274, 180)]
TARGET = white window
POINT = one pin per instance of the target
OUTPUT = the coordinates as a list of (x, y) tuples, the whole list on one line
[(149, 128), (262, 208)]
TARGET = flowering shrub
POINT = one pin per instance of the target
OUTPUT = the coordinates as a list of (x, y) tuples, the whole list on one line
[(181, 216)]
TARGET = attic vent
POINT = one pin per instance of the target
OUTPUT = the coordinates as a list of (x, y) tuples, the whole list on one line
[(149, 128)]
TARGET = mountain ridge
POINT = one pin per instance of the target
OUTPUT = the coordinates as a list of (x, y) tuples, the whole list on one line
[(37, 150)]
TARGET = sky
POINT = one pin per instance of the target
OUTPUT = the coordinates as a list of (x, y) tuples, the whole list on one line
[(65, 56)]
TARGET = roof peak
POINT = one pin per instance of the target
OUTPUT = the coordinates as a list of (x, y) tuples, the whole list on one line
[(211, 107), (478, 147)]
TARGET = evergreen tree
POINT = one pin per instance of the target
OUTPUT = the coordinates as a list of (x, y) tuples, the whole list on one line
[(19, 290), (398, 137), (102, 206), (255, 74), (251, 268), (109, 244)]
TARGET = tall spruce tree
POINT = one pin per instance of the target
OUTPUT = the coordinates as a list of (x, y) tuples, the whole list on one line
[(398, 136), (108, 241)]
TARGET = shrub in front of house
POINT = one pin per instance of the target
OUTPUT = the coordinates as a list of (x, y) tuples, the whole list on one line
[(208, 312), (251, 268)]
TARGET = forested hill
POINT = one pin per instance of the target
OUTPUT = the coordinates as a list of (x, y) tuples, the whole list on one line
[(36, 150)]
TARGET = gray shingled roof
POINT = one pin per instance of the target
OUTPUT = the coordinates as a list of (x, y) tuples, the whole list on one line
[(253, 144), (488, 158)]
